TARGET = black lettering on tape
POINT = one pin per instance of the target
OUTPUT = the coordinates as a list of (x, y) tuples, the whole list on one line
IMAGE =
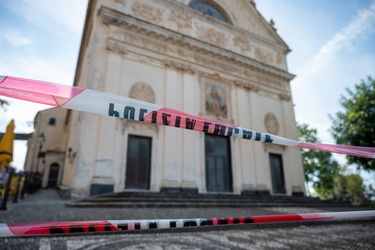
[(107, 227), (92, 228), (123, 226), (248, 220), (172, 224), (56, 230), (207, 222), (190, 223), (75, 229), (247, 134), (223, 221), (142, 113), (129, 112), (231, 129), (154, 116), (178, 121), (268, 138), (152, 225), (111, 110), (219, 129), (205, 126), (165, 117), (258, 136), (236, 220), (190, 124)]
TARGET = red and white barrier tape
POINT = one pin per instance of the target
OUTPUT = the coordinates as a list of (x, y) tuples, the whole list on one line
[(113, 105), (69, 227)]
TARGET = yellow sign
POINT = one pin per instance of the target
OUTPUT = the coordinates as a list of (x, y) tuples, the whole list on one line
[(6, 145)]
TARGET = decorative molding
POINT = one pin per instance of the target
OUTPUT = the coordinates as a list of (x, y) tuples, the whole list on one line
[(116, 47), (279, 58), (242, 43), (183, 22), (180, 66), (234, 60), (216, 64), (145, 43), (285, 97), (246, 85), (212, 35), (273, 147), (148, 12), (271, 123), (215, 77), (143, 126), (269, 82), (264, 55), (143, 92), (271, 38)]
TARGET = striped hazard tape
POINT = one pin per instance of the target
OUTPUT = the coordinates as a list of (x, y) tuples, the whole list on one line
[(71, 227), (118, 106)]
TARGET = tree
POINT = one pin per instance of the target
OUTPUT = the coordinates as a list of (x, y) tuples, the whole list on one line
[(319, 166), (355, 188), (369, 195), (350, 187), (355, 125)]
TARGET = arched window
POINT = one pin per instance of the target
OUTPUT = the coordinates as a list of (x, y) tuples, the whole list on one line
[(208, 9)]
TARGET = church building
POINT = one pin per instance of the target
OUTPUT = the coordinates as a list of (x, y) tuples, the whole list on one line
[(214, 58)]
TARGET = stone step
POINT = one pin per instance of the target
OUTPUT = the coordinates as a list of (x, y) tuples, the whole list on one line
[(150, 199), (203, 199), (203, 196)]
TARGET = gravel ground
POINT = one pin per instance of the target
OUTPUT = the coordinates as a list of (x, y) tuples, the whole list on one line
[(46, 206)]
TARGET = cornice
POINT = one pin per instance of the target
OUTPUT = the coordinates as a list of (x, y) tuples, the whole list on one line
[(115, 18), (247, 85), (180, 66)]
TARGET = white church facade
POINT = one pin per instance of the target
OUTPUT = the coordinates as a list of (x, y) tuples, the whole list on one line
[(214, 58)]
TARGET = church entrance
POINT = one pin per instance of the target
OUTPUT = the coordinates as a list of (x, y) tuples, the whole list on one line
[(138, 163), (218, 164), (53, 175), (277, 174)]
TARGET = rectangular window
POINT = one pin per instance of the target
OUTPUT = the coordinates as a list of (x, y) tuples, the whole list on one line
[(52, 121)]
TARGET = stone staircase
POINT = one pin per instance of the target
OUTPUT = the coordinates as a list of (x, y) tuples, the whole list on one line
[(148, 199)]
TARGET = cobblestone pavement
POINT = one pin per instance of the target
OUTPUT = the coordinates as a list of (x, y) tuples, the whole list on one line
[(46, 206)]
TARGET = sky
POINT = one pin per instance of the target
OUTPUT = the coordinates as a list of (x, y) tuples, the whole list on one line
[(332, 43)]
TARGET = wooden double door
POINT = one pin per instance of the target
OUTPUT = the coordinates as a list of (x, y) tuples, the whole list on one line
[(218, 164), (218, 167), (138, 163), (277, 174)]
